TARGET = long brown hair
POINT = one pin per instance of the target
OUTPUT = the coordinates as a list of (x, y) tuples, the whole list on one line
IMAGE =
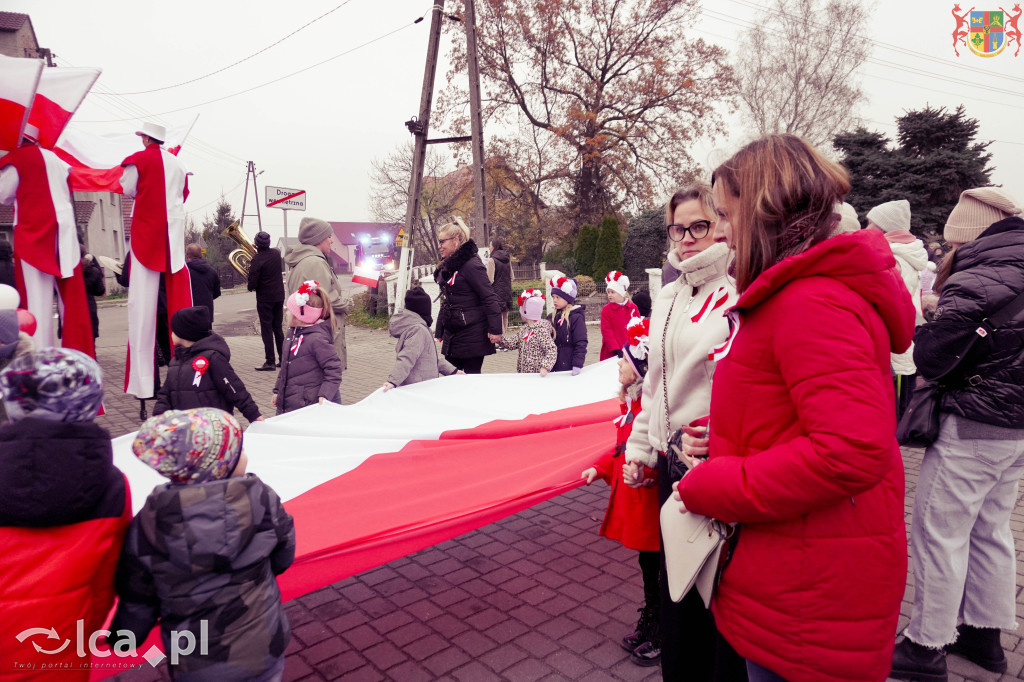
[(944, 270), (784, 195)]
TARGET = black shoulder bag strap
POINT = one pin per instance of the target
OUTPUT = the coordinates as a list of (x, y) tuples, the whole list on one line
[(989, 325)]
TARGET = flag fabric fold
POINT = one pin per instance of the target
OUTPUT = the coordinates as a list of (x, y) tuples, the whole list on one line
[(58, 97), (19, 79)]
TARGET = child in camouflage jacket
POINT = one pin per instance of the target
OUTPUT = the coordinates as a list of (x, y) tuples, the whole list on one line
[(203, 553)]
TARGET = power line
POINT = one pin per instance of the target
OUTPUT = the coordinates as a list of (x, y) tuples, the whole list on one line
[(244, 59), (889, 46), (276, 80)]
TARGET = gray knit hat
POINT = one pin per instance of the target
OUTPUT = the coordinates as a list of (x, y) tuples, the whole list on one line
[(977, 209), (891, 216), (312, 231), (262, 240)]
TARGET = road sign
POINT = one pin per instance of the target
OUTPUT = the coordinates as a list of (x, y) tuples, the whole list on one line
[(286, 199)]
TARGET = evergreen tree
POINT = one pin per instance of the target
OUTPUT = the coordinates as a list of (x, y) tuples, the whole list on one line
[(645, 243), (608, 255), (217, 245), (936, 158), (586, 248)]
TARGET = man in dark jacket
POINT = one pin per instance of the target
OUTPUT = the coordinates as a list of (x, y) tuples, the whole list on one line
[(266, 280), (200, 375), (205, 280), (92, 274), (6, 263), (501, 281)]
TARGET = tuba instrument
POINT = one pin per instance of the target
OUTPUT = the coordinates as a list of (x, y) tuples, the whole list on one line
[(240, 258)]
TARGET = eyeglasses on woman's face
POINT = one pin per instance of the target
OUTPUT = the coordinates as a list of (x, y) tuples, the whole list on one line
[(697, 230), (446, 239)]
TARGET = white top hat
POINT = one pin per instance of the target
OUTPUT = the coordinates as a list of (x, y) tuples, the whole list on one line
[(154, 130), (31, 132)]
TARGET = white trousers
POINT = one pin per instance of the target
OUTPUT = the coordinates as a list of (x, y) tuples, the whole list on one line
[(39, 289), (143, 294)]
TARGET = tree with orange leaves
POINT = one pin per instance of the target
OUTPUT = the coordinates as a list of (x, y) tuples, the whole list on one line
[(597, 100)]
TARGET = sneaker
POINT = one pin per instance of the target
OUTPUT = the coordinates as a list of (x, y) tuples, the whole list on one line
[(980, 646), (266, 367), (647, 654), (911, 661)]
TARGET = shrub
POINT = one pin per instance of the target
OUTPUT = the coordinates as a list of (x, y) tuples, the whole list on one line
[(586, 286), (586, 249), (645, 243), (608, 254)]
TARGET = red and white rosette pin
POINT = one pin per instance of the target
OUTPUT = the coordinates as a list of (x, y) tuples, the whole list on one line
[(200, 365)]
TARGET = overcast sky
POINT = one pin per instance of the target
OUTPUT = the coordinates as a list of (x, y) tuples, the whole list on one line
[(320, 129)]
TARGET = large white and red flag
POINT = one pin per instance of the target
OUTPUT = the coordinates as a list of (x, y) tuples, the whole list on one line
[(95, 160), (18, 81), (58, 97), (415, 466)]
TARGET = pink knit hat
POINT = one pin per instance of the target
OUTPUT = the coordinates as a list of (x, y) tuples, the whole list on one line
[(531, 304), (298, 303), (977, 209)]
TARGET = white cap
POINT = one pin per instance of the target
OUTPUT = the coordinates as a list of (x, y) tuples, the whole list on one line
[(154, 130)]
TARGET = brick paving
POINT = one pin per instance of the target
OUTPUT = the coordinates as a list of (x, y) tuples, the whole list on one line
[(536, 596)]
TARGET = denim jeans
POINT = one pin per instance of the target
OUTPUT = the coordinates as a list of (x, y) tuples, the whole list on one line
[(960, 540)]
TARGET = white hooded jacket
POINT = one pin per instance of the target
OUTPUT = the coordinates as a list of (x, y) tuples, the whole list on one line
[(912, 259)]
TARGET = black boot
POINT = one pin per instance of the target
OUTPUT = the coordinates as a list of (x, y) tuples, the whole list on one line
[(911, 661), (649, 651), (638, 636), (980, 646)]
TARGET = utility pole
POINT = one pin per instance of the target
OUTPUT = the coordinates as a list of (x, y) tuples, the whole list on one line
[(477, 130), (419, 127), (251, 170)]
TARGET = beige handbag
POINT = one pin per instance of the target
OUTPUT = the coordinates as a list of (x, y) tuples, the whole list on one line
[(693, 544)]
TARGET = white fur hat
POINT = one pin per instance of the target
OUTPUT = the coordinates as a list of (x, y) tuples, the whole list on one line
[(617, 282), (154, 130)]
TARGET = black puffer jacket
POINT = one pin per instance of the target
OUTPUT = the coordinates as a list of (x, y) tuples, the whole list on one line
[(218, 387), (502, 279), (57, 473), (265, 276), (469, 308), (310, 370), (570, 338), (205, 283), (988, 385)]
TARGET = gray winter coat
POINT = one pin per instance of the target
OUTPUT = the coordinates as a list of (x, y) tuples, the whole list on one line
[(310, 373), (416, 355)]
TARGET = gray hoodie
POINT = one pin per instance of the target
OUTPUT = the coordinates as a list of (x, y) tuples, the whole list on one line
[(416, 354)]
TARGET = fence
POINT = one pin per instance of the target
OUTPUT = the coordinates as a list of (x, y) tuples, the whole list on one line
[(527, 271)]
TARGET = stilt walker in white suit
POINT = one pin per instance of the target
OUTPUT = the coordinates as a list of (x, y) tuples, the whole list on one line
[(158, 182), (46, 252)]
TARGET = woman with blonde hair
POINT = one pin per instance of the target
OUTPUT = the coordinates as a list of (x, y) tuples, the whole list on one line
[(469, 321), (802, 448)]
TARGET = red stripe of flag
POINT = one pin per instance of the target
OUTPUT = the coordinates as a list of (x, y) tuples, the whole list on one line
[(290, 196)]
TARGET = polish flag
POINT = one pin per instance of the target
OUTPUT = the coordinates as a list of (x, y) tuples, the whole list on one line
[(367, 276), (419, 464), (415, 466), (58, 97), (18, 81), (95, 160)]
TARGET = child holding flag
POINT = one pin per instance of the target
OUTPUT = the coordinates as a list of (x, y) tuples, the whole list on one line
[(311, 369), (535, 340)]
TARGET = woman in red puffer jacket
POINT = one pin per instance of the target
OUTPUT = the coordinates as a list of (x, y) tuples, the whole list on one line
[(802, 450)]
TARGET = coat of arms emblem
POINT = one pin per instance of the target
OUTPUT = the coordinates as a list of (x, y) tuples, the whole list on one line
[(986, 32)]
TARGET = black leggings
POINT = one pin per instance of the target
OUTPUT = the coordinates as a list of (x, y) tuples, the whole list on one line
[(271, 314), (467, 365)]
